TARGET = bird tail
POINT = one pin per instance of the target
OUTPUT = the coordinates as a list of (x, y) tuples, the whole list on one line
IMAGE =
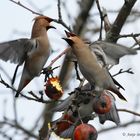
[(117, 83), (25, 79), (117, 92), (15, 73)]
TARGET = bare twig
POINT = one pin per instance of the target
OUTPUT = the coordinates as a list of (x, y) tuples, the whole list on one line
[(129, 35), (60, 20), (124, 71), (59, 10), (36, 98), (6, 84), (129, 111), (34, 12), (40, 100), (132, 122), (107, 24), (137, 41), (102, 18), (19, 127), (61, 54), (20, 4)]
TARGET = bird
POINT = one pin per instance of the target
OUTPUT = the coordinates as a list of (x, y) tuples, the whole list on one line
[(33, 52), (96, 75), (87, 104)]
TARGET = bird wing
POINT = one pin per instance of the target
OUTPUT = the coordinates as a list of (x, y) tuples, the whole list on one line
[(16, 51), (112, 115), (65, 104), (68, 132), (113, 52), (101, 56), (116, 50)]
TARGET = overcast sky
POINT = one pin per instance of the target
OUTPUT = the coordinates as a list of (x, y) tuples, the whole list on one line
[(16, 22)]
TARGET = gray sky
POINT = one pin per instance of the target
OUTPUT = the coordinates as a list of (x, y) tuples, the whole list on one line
[(15, 18)]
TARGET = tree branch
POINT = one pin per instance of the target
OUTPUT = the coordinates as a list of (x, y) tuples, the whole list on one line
[(129, 111), (19, 127), (114, 31), (101, 17), (120, 126), (34, 12), (124, 71), (20, 4)]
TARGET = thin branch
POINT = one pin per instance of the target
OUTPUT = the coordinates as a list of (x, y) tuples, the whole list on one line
[(129, 111), (6, 84), (61, 54), (19, 127), (36, 98), (137, 41), (63, 24), (101, 17), (120, 126), (124, 71), (107, 24), (34, 12), (59, 10), (129, 35), (40, 100), (20, 4)]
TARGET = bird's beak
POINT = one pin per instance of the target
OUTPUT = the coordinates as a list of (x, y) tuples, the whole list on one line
[(69, 41), (48, 27), (69, 34)]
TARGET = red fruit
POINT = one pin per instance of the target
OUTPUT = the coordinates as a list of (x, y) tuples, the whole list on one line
[(102, 104), (53, 88), (85, 132), (63, 124)]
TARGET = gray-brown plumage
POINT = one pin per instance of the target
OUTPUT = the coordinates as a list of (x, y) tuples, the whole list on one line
[(97, 76), (34, 51)]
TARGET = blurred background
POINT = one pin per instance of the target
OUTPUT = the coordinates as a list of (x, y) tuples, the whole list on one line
[(83, 18)]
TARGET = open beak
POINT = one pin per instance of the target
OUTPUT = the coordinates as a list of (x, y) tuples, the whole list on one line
[(69, 34), (50, 27), (69, 41)]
